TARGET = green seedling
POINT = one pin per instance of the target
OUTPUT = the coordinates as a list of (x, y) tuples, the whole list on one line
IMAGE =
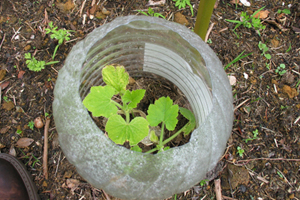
[(203, 182), (279, 174), (36, 160), (240, 151), (209, 41), (183, 3), (255, 133), (263, 47), (285, 11), (249, 22), (239, 57), (47, 115), (5, 98), (280, 69), (283, 107), (31, 125), (19, 132), (290, 48), (298, 83), (35, 65), (151, 13), (61, 35), (123, 122)]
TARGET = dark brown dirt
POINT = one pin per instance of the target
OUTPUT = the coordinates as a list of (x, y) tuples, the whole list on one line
[(269, 167)]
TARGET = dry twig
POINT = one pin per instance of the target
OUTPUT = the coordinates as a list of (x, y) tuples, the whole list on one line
[(45, 155), (2, 41), (208, 32), (218, 189)]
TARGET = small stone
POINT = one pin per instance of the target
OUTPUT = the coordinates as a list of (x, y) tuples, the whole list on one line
[(243, 188), (232, 80)]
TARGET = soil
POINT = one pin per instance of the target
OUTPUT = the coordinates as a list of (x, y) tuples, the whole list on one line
[(264, 99)]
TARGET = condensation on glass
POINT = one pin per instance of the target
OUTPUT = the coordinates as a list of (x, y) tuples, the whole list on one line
[(159, 49)]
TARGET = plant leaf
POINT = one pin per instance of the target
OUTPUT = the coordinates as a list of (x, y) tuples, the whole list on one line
[(192, 120), (99, 102), (116, 77), (136, 148), (133, 98), (163, 110), (119, 131), (153, 137)]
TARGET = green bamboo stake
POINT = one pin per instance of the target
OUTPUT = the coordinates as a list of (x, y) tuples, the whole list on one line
[(203, 17)]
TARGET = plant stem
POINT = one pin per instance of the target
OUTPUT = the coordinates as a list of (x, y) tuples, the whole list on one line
[(205, 10), (173, 136), (55, 50), (162, 134), (117, 104), (127, 117)]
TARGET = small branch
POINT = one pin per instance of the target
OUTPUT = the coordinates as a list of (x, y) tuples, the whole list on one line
[(81, 9), (241, 104), (218, 189), (107, 197), (2, 41), (273, 159), (140, 112), (45, 155), (208, 32)]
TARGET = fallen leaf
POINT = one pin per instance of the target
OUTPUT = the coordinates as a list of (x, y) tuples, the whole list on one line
[(4, 130), (105, 12), (2, 74), (273, 22), (274, 43), (24, 142), (263, 14), (20, 74), (8, 105), (72, 183), (291, 92), (297, 30), (2, 146), (180, 18), (65, 7), (100, 15), (4, 85), (93, 9)]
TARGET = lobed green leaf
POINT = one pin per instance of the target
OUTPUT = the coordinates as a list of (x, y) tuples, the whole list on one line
[(189, 127), (119, 131), (99, 102), (116, 77), (133, 98), (163, 110)]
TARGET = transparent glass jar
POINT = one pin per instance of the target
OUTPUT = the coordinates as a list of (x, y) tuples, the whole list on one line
[(148, 47)]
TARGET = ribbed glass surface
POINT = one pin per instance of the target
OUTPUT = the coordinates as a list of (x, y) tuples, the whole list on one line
[(156, 48)]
